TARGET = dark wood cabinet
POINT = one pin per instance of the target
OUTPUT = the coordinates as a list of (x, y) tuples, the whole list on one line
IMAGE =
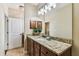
[(46, 51), (32, 53), (36, 49), (29, 47)]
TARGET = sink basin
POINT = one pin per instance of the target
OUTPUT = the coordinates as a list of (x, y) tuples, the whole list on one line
[(46, 37), (48, 42), (49, 37), (41, 38)]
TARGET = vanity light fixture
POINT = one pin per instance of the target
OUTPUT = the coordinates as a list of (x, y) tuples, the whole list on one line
[(52, 5), (46, 7), (42, 11)]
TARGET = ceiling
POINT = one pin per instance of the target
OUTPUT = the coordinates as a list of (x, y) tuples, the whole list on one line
[(36, 4), (14, 5)]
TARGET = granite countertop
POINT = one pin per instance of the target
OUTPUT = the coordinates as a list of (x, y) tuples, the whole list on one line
[(55, 46)]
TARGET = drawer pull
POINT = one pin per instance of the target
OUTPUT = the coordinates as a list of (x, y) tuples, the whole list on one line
[(46, 52)]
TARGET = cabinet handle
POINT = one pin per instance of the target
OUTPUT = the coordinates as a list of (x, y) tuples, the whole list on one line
[(46, 52)]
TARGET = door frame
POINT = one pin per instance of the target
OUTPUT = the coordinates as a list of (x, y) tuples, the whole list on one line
[(6, 34)]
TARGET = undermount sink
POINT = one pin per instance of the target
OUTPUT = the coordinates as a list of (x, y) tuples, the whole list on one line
[(49, 38), (48, 42), (44, 37), (41, 38)]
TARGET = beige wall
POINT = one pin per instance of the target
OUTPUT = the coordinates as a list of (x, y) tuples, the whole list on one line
[(30, 11), (15, 13), (60, 21), (75, 48)]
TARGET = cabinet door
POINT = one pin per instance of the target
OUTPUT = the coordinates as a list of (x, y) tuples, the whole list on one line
[(46, 52), (36, 49), (67, 52), (31, 47), (28, 46)]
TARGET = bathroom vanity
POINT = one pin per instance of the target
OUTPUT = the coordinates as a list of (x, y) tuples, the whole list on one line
[(39, 46)]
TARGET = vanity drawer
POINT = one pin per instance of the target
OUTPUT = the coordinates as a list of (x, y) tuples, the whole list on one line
[(47, 52)]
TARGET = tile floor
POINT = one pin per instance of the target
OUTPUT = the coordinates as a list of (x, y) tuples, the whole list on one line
[(15, 52)]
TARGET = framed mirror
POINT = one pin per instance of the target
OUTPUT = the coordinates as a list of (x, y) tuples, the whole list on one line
[(39, 24), (32, 24)]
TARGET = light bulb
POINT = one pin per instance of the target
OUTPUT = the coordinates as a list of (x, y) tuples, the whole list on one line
[(42, 10), (46, 7), (49, 8), (45, 10), (39, 12), (54, 5)]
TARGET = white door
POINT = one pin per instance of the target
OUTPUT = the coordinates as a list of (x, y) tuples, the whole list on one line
[(15, 29)]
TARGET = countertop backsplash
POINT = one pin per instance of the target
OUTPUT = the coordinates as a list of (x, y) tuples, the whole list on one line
[(69, 41)]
